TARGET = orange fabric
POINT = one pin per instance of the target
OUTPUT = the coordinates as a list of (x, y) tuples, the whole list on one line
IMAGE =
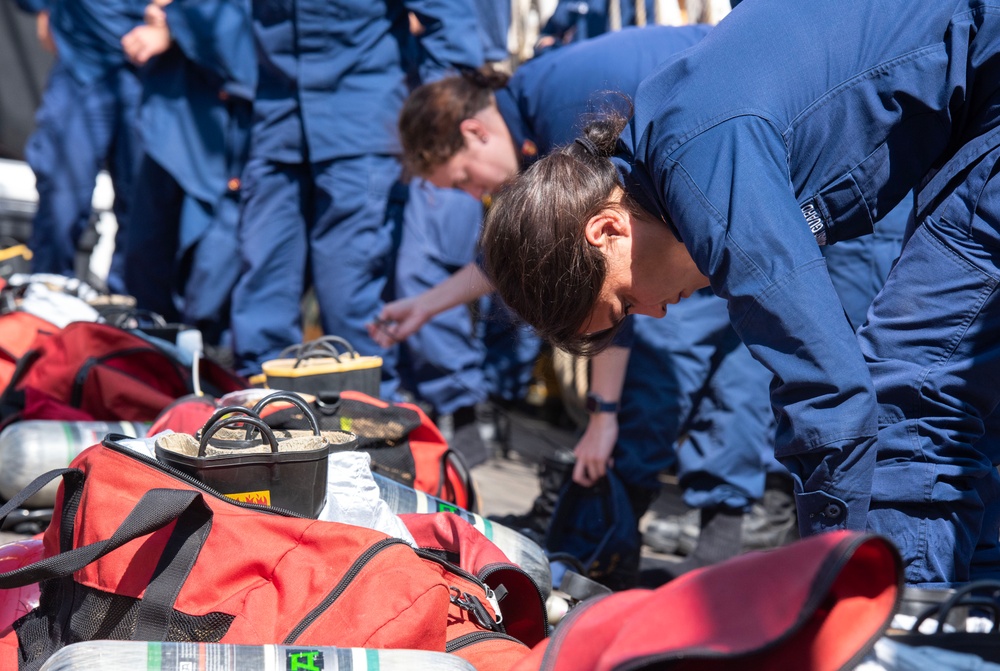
[(523, 609), (493, 654), (268, 571), (187, 414), (19, 332), (8, 650)]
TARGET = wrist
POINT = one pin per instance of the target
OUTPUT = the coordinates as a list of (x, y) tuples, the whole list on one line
[(598, 405)]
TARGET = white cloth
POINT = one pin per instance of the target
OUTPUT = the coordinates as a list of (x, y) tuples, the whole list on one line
[(889, 655)]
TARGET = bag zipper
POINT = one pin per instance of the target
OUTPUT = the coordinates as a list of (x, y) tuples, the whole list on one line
[(490, 569), (466, 601), (81, 375), (465, 640), (341, 585), (111, 442)]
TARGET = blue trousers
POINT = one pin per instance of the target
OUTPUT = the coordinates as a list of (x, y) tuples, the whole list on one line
[(689, 376), (512, 348), (932, 343), (858, 267), (182, 257), (320, 223), (80, 129), (442, 363)]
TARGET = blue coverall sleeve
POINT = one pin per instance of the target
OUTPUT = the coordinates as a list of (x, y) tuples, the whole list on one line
[(33, 6), (728, 192), (217, 36), (450, 38), (561, 20)]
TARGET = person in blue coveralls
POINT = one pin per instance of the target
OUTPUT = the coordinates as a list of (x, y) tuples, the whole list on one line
[(577, 20), (443, 364), (858, 269), (717, 405), (446, 366), (323, 158), (744, 156), (687, 377), (199, 75), (86, 122)]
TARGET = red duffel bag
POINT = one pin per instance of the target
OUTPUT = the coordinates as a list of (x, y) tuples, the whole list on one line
[(818, 604), (139, 551)]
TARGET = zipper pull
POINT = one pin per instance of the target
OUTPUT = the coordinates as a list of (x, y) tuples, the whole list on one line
[(494, 600), (475, 607)]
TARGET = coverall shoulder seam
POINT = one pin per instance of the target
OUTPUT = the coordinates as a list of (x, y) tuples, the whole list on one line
[(729, 115), (880, 69)]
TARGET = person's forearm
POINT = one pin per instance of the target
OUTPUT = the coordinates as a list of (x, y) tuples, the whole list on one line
[(607, 373), (465, 286)]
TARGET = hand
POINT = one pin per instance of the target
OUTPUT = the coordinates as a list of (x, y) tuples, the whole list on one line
[(143, 42), (397, 321), (154, 14), (544, 42), (44, 32), (593, 452)]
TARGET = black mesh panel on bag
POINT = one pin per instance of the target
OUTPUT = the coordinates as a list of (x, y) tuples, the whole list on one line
[(382, 432), (97, 615)]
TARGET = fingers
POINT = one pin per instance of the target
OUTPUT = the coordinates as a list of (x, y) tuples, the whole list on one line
[(383, 332), (130, 44), (587, 472), (135, 47), (154, 16)]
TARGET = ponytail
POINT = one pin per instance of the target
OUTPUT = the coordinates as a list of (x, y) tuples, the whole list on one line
[(533, 241)]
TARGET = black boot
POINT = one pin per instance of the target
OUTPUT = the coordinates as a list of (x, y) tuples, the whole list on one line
[(555, 470), (720, 539)]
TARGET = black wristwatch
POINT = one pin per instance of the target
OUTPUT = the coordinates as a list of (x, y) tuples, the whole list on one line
[(597, 404)]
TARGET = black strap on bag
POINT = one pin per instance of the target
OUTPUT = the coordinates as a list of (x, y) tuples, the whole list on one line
[(981, 597), (156, 509)]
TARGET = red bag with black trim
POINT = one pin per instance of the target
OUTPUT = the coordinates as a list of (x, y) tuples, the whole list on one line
[(140, 551), (818, 604), (92, 371), (19, 331)]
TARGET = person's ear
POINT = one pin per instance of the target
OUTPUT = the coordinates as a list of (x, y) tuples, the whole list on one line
[(607, 227), (473, 131)]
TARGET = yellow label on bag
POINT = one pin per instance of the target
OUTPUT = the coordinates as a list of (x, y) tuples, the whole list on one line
[(261, 498), (345, 423)]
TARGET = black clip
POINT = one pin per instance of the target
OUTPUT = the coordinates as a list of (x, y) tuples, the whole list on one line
[(473, 605)]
